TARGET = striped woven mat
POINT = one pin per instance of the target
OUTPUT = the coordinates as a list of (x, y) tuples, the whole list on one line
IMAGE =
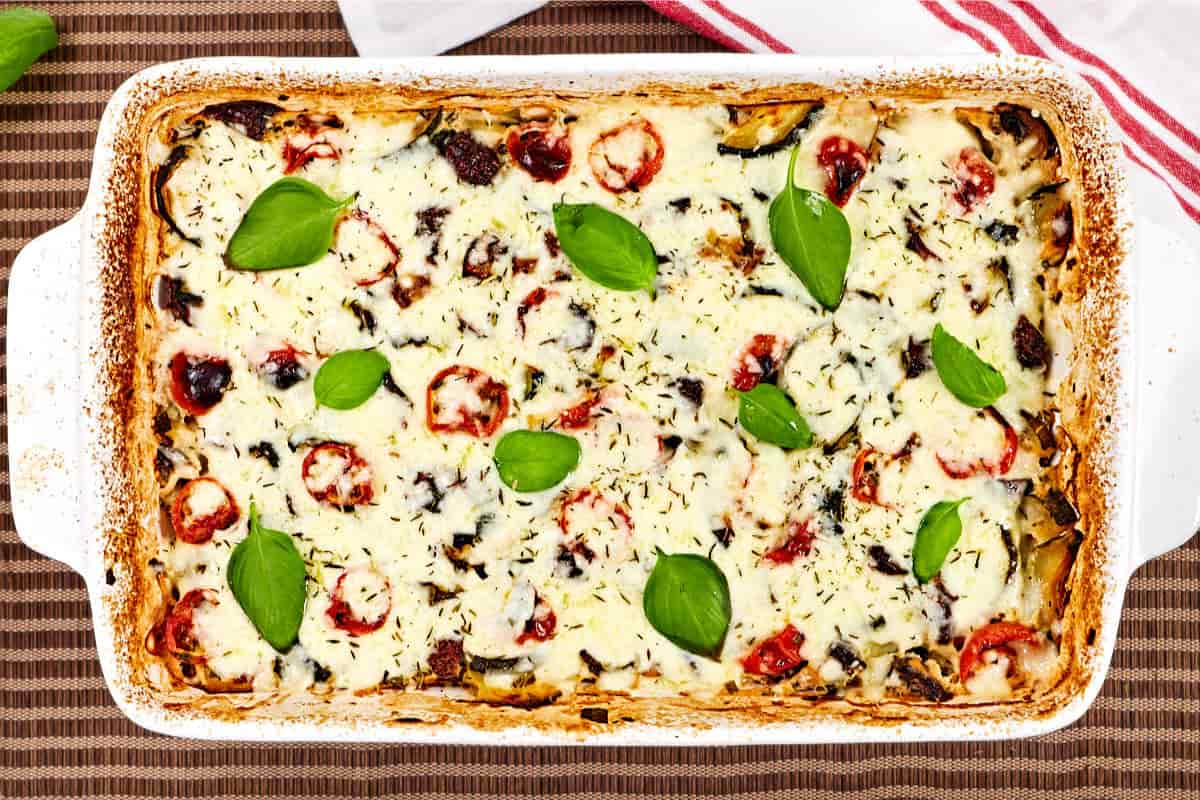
[(61, 735)]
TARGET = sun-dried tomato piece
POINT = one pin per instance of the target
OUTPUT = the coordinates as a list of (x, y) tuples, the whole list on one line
[(800, 536), (408, 289), (973, 181), (481, 255), (541, 626), (758, 361), (201, 508), (1030, 344), (372, 588), (248, 116), (776, 656), (845, 165), (464, 399), (626, 158), (541, 149), (996, 634), (335, 474), (473, 162), (446, 660), (282, 367), (198, 382), (173, 296)]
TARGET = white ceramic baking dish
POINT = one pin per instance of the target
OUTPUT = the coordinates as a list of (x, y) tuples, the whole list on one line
[(61, 449)]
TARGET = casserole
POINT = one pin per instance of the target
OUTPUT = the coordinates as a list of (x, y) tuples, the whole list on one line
[(107, 491)]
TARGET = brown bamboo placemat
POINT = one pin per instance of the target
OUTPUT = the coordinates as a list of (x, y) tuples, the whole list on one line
[(61, 735)]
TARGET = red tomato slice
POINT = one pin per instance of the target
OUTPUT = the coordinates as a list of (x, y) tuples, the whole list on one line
[(1008, 455), (335, 474), (540, 627), (541, 149), (799, 543), (531, 301), (845, 165), (626, 158), (342, 616), (178, 630), (464, 399), (202, 507), (305, 146), (758, 360), (864, 478), (988, 637), (776, 656), (973, 181), (198, 382), (579, 415), (392, 251), (592, 499)]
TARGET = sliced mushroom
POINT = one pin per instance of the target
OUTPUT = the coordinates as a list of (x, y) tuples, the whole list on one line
[(1048, 567), (760, 130), (1013, 138), (1054, 221)]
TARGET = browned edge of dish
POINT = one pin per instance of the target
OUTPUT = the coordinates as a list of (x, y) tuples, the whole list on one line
[(1093, 308)]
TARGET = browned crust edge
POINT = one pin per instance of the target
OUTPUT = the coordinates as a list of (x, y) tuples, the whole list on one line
[(1093, 307)]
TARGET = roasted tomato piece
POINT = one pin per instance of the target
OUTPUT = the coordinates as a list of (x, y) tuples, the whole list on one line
[(198, 382), (593, 500), (446, 660), (360, 601), (997, 634), (973, 181), (310, 142), (959, 470), (473, 161), (777, 656), (541, 149), (626, 158), (845, 165), (864, 478), (251, 117), (531, 301), (758, 361), (282, 368), (173, 296), (580, 414), (376, 261), (464, 399), (178, 629), (539, 627), (800, 536), (337, 475), (481, 255), (201, 508)]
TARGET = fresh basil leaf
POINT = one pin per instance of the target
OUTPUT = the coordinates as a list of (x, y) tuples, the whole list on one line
[(936, 536), (25, 36), (968, 377), (349, 378), (290, 224), (769, 414), (812, 236), (530, 461), (606, 247), (687, 600), (267, 575)]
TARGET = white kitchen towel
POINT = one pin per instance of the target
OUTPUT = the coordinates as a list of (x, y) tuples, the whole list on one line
[(395, 28)]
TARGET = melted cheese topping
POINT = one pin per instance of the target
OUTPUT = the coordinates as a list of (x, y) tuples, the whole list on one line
[(719, 492)]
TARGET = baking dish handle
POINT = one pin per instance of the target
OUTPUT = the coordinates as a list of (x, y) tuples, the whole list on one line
[(1167, 404), (44, 401)]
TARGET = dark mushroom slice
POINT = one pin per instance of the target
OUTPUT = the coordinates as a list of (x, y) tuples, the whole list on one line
[(916, 679), (173, 296), (1032, 350), (1012, 137), (162, 174), (761, 130), (1054, 221)]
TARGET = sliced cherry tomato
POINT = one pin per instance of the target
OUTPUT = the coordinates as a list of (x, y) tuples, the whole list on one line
[(335, 474), (375, 590), (973, 180), (758, 361), (282, 368), (626, 158), (997, 634), (959, 470), (198, 382), (178, 629), (580, 414), (800, 536), (776, 656), (531, 301), (305, 146), (541, 149), (540, 627), (390, 255), (845, 164), (864, 478), (202, 507), (587, 497), (464, 399)]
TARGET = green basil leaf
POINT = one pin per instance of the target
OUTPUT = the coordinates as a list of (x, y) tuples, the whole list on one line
[(769, 414), (290, 224), (968, 377), (936, 537), (267, 575), (687, 600), (25, 36), (606, 247), (530, 461), (812, 236), (349, 378)]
